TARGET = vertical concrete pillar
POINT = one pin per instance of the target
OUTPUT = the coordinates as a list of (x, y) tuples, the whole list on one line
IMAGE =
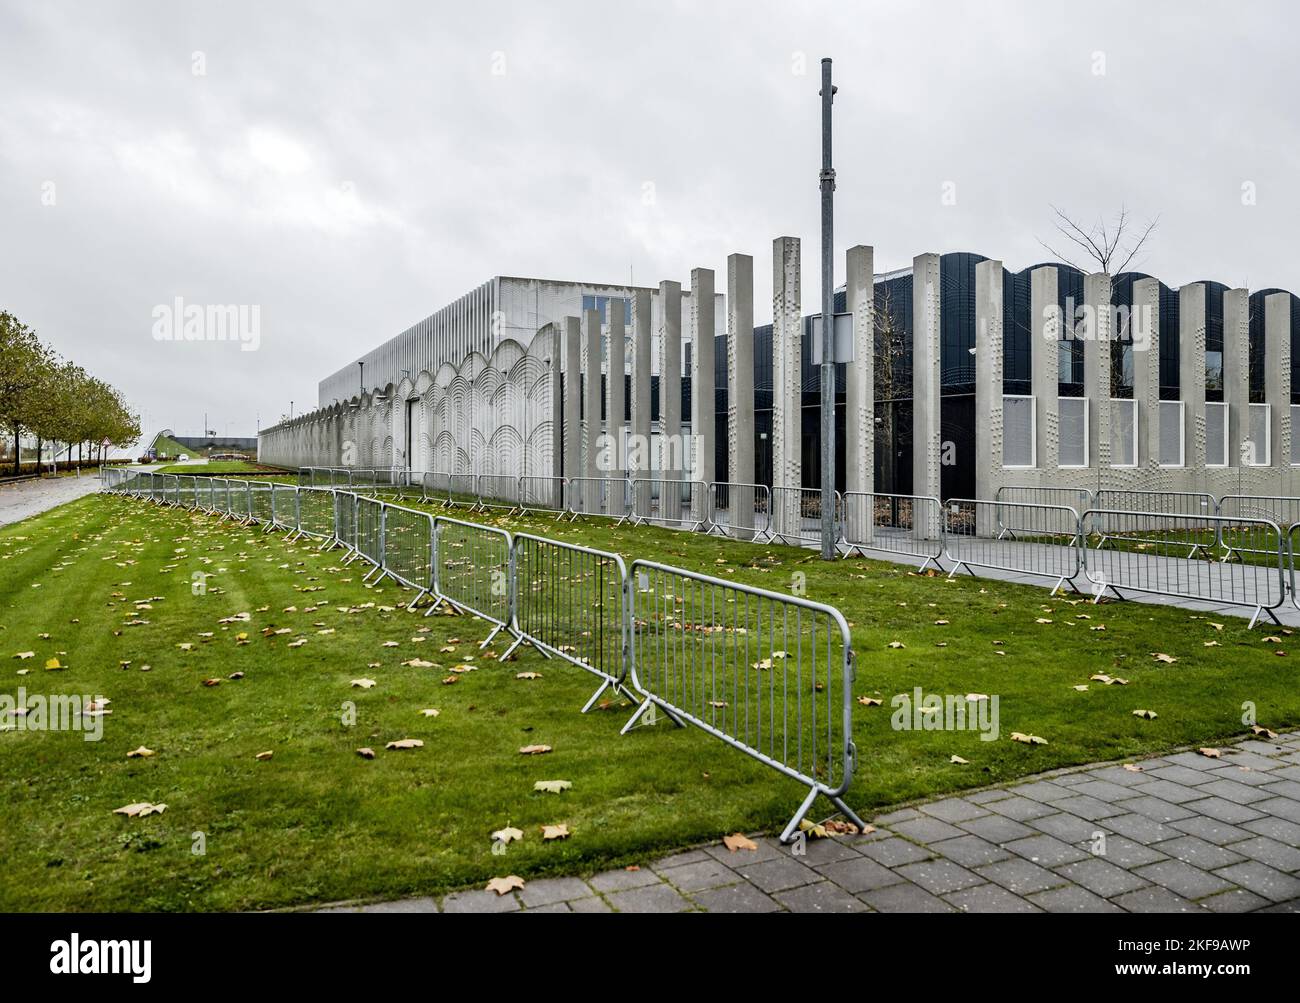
[(988, 380), (572, 397), (616, 405), (1277, 383), (703, 404), (787, 387), (592, 402), (859, 389), (1144, 335), (925, 375), (1191, 373), (671, 453), (1097, 335), (1236, 373), (740, 390), (639, 455), (1044, 361)]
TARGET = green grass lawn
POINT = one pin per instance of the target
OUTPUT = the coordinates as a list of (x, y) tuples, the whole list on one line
[(109, 580), (219, 468)]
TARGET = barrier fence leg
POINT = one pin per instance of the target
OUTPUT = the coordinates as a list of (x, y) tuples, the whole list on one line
[(788, 833), (646, 704)]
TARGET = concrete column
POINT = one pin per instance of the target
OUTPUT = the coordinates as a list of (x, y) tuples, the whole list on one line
[(555, 409), (859, 390), (572, 397), (988, 379), (639, 457), (703, 443), (1236, 371), (740, 389), (1277, 381), (1097, 334), (1044, 351), (925, 375), (616, 405), (592, 402), (671, 458), (787, 386), (1191, 373), (1144, 334)]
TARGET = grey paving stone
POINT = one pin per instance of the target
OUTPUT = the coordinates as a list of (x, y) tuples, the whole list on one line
[(1068, 828), (649, 898), (1281, 829), (821, 897), (1167, 791), (984, 797), (1199, 852), (1129, 853), (778, 875), (1283, 788), (895, 851), (593, 904), (1156, 809), (1279, 808), (1154, 900), (954, 810), (678, 859), (1236, 900), (1141, 829), (905, 897), (1211, 830), (765, 850), (1263, 880), (926, 830), (1102, 790), (735, 898), (1071, 898), (706, 873), (970, 851), (989, 898), (401, 905), (939, 876), (890, 818), (480, 902), (1184, 879), (1092, 809), (545, 891), (824, 851), (1251, 759), (860, 874), (1021, 809), (1252, 778), (1192, 760), (1020, 876), (1181, 775), (1042, 790), (1238, 793), (1271, 852), (616, 881), (1288, 907), (553, 907), (1101, 876), (1121, 777), (1046, 850), (997, 828), (1224, 811), (1260, 747)]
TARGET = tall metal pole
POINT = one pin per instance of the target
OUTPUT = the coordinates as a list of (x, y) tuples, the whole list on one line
[(828, 321)]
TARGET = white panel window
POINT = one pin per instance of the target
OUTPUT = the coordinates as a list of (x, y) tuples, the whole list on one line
[(1171, 434), (1257, 451), (1019, 432), (1216, 434), (1073, 412), (1123, 433)]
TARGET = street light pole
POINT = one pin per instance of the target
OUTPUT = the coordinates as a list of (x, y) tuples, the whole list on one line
[(827, 177)]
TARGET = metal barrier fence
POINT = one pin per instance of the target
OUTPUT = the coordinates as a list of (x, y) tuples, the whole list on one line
[(542, 494), (345, 521), (1079, 499), (797, 515), (600, 496), (668, 502), (1156, 553), (740, 511), (368, 516), (766, 673), (1280, 509), (261, 504), (571, 602), (900, 525), (1179, 504), (407, 547), (471, 571), (316, 514), (284, 506), (1047, 543), (498, 491)]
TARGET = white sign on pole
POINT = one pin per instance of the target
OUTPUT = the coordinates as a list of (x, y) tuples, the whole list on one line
[(843, 331)]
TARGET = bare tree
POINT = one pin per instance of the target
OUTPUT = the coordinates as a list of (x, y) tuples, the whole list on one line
[(1111, 248)]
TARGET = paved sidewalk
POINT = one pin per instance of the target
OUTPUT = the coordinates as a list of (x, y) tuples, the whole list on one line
[(1186, 833), (24, 499)]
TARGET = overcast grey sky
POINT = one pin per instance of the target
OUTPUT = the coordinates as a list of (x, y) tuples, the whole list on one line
[(350, 167)]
